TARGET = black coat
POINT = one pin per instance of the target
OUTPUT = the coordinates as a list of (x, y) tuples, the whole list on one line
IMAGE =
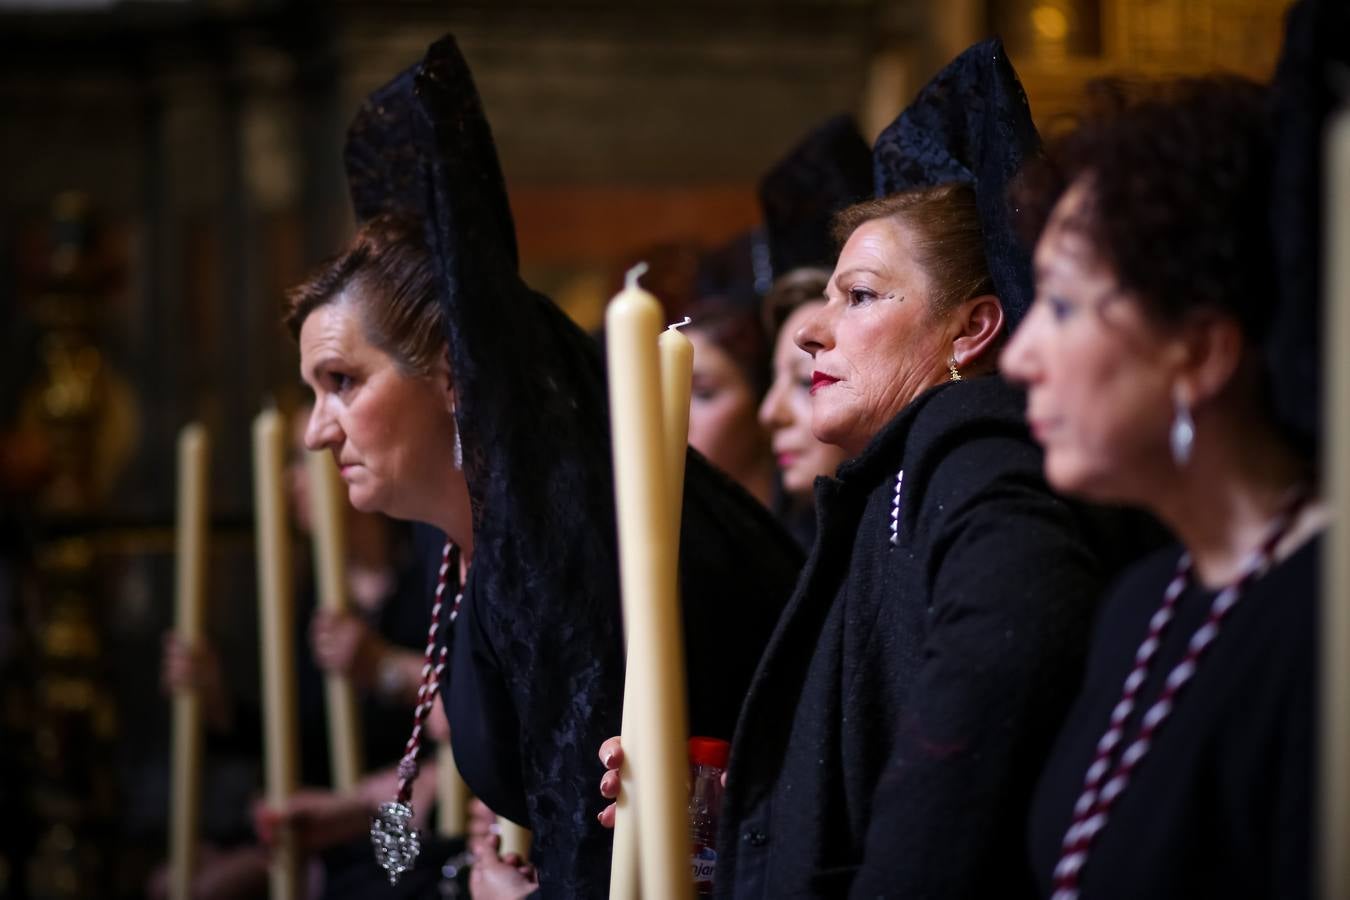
[(896, 725)]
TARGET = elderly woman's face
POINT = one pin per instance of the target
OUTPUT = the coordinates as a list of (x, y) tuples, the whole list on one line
[(391, 433), (786, 411), (1095, 368), (874, 343)]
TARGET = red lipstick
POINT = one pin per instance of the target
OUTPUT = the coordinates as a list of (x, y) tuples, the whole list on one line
[(820, 380)]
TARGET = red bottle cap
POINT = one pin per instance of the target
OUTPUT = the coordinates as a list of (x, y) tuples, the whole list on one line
[(707, 751)]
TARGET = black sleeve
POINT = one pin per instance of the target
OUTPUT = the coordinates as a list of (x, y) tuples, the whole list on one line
[(1012, 587)]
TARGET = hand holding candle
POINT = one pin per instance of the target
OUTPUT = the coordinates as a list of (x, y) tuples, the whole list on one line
[(654, 704)]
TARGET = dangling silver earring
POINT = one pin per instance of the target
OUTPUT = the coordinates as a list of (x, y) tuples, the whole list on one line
[(459, 446), (1182, 434)]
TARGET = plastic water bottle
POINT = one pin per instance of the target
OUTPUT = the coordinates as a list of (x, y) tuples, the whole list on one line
[(707, 762)]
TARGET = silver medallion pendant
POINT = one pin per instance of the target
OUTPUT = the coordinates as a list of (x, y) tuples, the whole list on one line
[(394, 839)]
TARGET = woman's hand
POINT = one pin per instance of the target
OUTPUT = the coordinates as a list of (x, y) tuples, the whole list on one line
[(495, 877), (344, 645), (482, 821), (318, 819), (186, 667), (611, 754)]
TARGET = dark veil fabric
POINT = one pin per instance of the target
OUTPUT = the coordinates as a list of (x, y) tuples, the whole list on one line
[(1316, 56), (970, 124), (542, 601), (830, 169)]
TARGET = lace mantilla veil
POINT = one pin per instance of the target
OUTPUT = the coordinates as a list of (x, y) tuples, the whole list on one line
[(532, 410)]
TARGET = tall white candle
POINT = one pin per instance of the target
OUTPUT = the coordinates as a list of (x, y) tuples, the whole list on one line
[(276, 617), (329, 517), (190, 603), (1334, 815), (654, 703)]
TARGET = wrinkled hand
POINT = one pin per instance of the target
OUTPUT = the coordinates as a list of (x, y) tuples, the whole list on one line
[(495, 877), (186, 667), (318, 819), (345, 645), (611, 754)]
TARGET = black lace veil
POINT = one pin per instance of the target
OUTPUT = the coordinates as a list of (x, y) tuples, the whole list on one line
[(531, 404), (829, 169), (971, 124)]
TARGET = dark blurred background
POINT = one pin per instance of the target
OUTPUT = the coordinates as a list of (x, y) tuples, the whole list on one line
[(170, 167)]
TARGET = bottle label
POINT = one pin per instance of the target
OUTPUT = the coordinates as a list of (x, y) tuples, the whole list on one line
[(702, 862)]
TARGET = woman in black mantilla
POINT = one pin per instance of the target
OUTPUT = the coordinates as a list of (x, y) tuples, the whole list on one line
[(484, 369), (895, 726), (1166, 361)]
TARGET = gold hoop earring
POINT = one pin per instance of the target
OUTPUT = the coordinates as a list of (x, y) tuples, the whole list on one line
[(951, 367)]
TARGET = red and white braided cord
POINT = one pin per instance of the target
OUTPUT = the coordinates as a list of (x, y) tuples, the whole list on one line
[(1099, 795), (433, 666)]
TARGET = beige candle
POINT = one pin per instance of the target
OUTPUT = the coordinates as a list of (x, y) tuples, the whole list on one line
[(276, 617), (677, 373), (1334, 815), (515, 838), (654, 700), (677, 367), (328, 497), (452, 795), (190, 605)]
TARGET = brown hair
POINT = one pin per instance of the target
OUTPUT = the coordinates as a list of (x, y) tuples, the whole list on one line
[(789, 291), (950, 242), (1178, 178), (739, 334), (388, 273)]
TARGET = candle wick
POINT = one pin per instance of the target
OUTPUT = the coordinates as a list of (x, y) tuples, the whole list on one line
[(675, 325), (631, 279)]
